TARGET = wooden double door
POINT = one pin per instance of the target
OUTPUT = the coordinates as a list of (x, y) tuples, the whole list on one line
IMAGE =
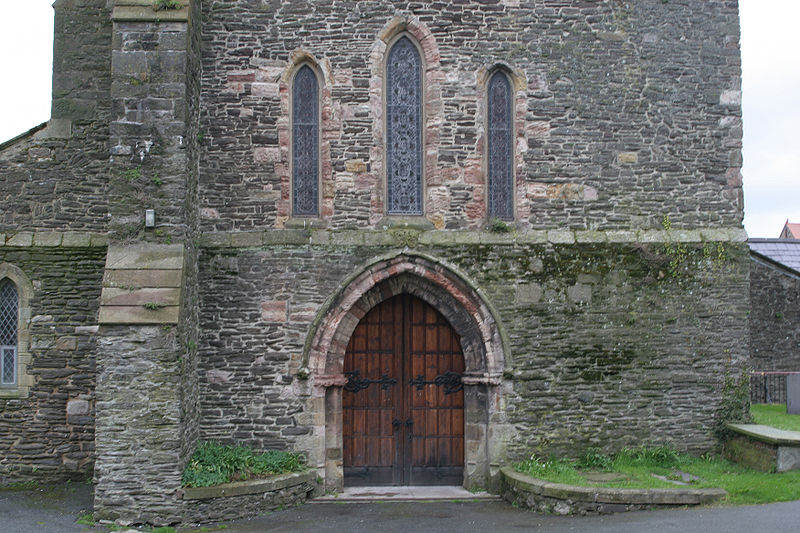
[(403, 402)]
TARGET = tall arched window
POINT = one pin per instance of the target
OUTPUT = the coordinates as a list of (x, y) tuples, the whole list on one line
[(501, 148), (9, 305), (305, 143), (404, 128)]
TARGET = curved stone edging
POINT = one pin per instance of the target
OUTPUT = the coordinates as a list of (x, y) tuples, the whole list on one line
[(559, 498), (241, 499)]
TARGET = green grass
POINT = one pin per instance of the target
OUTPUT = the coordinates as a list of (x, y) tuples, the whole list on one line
[(212, 464), (744, 486), (86, 519), (774, 415)]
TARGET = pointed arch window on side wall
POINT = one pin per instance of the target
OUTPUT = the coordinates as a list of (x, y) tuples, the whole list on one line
[(9, 305), (404, 128), (501, 149), (305, 143)]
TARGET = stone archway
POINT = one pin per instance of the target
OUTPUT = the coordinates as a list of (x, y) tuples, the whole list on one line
[(468, 314)]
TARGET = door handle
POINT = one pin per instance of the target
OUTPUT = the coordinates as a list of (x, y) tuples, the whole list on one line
[(409, 426), (396, 424)]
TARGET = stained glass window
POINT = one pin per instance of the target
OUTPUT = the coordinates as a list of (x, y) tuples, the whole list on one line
[(305, 143), (8, 332), (501, 151), (404, 128)]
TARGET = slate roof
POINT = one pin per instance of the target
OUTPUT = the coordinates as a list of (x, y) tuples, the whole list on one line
[(783, 251)]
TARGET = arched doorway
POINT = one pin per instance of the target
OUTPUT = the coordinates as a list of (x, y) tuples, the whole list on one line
[(403, 401), (468, 313)]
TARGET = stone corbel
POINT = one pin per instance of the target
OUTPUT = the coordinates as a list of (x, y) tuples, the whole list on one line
[(330, 380)]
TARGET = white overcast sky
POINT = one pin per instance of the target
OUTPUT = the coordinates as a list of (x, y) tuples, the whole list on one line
[(771, 68)]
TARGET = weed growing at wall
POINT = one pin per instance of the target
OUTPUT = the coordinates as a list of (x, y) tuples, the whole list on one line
[(164, 5), (677, 252), (498, 226), (735, 404), (684, 261), (212, 464), (132, 174)]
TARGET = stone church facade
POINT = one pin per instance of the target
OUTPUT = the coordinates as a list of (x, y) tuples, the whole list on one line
[(237, 205)]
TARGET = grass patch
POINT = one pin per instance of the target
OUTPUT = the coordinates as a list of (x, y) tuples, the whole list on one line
[(774, 414), (637, 465), (213, 464), (86, 519), (20, 485)]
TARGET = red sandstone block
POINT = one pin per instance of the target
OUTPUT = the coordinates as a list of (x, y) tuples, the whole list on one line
[(242, 76), (273, 311)]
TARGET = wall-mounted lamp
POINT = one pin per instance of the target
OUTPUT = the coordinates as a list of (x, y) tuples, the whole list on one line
[(149, 218)]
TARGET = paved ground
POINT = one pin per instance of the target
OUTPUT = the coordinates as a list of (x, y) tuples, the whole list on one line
[(55, 511)]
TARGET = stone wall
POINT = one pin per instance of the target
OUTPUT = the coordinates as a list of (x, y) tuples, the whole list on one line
[(57, 178), (148, 135), (147, 384), (48, 433), (240, 499), (609, 344), (627, 111), (621, 290), (774, 317)]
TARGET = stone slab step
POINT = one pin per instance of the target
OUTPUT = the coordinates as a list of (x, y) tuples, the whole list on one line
[(404, 494)]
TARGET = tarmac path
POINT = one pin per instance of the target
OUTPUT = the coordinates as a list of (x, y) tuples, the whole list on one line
[(55, 510)]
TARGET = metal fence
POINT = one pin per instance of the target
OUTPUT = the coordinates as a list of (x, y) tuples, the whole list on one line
[(768, 387)]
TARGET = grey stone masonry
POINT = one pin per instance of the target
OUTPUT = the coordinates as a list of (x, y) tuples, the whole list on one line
[(625, 112), (610, 344), (605, 314), (148, 143), (48, 433), (57, 179), (774, 317)]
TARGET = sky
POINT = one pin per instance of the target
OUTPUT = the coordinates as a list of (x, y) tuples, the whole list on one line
[(770, 97)]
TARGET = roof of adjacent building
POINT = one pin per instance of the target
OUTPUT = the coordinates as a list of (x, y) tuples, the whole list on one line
[(783, 251), (791, 230)]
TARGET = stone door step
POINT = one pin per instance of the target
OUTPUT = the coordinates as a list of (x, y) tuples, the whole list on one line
[(403, 494)]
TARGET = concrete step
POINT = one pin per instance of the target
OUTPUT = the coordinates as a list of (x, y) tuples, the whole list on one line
[(404, 494)]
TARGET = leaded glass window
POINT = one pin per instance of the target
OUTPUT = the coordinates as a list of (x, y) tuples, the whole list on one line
[(305, 143), (501, 151), (8, 332), (404, 128)]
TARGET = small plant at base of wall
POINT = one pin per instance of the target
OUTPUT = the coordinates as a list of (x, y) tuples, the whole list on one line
[(498, 226), (163, 5), (735, 403)]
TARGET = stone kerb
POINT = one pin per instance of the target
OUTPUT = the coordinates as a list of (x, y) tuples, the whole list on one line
[(763, 448), (558, 498), (242, 499), (147, 11)]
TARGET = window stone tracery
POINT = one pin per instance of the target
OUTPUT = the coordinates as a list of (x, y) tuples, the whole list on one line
[(404, 128), (500, 147), (305, 143), (9, 325)]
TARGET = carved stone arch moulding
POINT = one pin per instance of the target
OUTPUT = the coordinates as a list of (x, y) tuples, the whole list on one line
[(469, 314), (519, 136), (432, 110), (282, 159), (24, 289)]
